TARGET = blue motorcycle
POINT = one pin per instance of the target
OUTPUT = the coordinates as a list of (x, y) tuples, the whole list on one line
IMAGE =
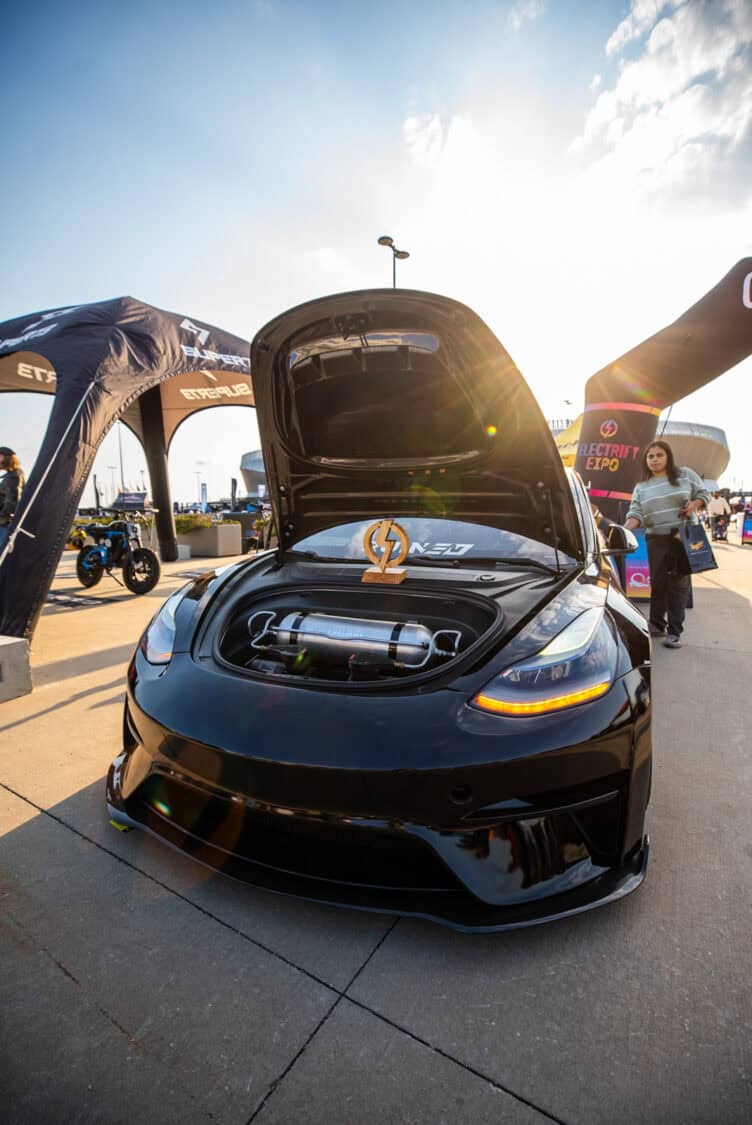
[(117, 544)]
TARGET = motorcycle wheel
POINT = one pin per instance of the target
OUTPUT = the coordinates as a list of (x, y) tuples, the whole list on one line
[(141, 571), (89, 567)]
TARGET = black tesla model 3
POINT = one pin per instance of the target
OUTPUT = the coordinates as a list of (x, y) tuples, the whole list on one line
[(432, 697)]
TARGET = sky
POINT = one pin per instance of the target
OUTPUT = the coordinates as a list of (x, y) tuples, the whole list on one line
[(578, 173)]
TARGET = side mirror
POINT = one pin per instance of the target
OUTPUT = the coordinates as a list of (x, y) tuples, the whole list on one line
[(620, 541)]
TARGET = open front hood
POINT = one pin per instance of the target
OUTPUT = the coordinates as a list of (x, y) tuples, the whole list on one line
[(393, 402)]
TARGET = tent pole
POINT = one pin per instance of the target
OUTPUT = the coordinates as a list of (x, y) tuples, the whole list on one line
[(150, 405)]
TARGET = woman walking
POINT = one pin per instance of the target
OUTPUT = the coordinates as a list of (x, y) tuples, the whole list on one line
[(665, 496)]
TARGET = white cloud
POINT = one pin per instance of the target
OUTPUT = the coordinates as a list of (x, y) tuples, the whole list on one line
[(526, 10), (327, 260), (643, 14), (596, 82), (680, 111), (423, 134)]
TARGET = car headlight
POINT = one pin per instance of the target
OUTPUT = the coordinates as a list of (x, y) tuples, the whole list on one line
[(577, 666), (159, 638)]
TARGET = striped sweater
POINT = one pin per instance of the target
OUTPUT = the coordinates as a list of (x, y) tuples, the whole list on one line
[(656, 502)]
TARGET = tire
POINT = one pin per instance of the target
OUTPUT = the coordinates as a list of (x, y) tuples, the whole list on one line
[(89, 567), (141, 571)]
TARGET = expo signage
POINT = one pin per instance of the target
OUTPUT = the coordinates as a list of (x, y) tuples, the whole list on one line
[(35, 374), (237, 390), (46, 323), (747, 291), (612, 439), (190, 351), (607, 455)]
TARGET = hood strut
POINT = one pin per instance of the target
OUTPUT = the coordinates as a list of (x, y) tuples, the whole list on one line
[(546, 495)]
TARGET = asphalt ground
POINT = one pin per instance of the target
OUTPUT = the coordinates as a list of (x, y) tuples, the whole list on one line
[(138, 986)]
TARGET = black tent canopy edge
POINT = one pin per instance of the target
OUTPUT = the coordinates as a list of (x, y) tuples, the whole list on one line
[(106, 356)]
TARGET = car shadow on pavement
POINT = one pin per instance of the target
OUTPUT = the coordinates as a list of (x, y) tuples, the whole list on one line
[(57, 670), (119, 999), (133, 976), (57, 706)]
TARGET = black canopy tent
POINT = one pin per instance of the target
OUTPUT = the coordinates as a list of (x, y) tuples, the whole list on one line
[(624, 399), (104, 361)]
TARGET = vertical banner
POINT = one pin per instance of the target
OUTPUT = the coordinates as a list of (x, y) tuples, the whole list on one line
[(746, 528), (613, 438), (637, 570)]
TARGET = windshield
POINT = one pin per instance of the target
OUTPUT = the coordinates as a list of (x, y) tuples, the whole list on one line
[(435, 539)]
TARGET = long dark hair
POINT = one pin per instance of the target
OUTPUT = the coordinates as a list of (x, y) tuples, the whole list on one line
[(671, 470)]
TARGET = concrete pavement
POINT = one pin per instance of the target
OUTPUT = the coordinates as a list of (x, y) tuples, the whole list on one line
[(135, 985)]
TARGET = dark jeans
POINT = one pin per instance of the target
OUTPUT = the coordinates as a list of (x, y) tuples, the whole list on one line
[(670, 582)]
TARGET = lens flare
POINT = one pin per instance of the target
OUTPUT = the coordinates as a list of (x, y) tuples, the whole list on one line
[(160, 806), (491, 430), (432, 501)]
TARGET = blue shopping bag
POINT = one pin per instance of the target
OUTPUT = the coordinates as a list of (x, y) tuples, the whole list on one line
[(697, 548)]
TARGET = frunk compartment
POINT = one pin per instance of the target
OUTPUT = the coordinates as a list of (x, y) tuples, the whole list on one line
[(352, 634)]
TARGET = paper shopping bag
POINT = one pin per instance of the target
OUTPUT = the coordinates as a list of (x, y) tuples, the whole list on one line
[(699, 552)]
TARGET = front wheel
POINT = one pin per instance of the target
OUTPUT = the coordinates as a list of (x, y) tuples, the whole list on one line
[(141, 571), (89, 568)]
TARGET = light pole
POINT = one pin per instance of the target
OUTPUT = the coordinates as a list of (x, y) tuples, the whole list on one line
[(385, 240), (112, 469)]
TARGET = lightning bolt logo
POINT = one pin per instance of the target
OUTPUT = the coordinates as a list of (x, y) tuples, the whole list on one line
[(378, 535), (383, 540)]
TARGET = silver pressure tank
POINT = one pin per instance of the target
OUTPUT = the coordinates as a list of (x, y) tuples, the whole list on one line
[(400, 643)]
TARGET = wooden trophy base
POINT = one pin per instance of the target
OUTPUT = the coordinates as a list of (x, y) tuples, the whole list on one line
[(391, 577)]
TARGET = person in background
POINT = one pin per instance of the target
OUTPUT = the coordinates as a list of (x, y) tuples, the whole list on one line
[(665, 496), (719, 512), (11, 487)]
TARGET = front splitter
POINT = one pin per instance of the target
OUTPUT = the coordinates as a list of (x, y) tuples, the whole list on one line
[(458, 910)]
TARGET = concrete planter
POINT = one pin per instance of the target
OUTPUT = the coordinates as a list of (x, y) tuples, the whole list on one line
[(219, 539), (15, 670)]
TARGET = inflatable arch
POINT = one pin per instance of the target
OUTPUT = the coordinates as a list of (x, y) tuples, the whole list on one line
[(104, 361), (624, 399)]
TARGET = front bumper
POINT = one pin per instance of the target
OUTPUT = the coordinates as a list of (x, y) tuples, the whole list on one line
[(345, 836)]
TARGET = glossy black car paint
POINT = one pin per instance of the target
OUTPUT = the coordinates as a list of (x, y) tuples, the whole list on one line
[(399, 796)]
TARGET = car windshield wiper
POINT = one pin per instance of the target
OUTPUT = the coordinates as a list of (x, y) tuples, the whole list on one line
[(503, 560), (314, 556), (421, 560)]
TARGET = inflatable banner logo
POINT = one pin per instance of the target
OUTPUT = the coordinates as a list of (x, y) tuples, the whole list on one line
[(612, 440)]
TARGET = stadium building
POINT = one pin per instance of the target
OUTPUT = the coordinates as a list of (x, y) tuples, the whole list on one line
[(252, 471)]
